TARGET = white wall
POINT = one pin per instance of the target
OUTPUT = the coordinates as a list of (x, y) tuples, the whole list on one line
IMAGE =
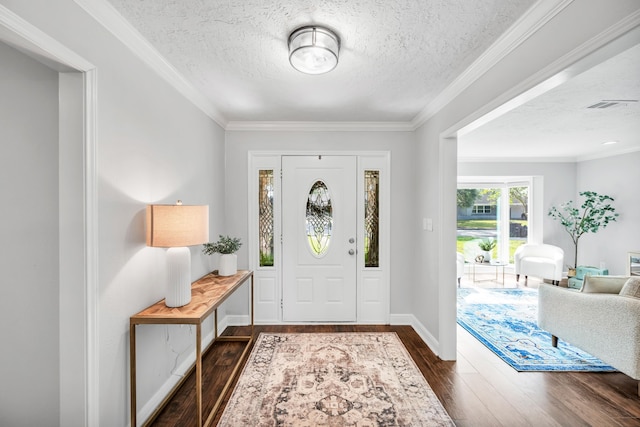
[(403, 227), (153, 146), (533, 62), (29, 363), (618, 177)]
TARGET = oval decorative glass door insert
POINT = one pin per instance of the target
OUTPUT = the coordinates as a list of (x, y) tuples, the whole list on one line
[(319, 218)]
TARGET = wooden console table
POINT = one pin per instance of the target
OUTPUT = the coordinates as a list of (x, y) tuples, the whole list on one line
[(207, 294)]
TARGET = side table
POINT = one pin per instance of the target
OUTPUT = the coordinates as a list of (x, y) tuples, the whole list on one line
[(207, 294), (496, 264)]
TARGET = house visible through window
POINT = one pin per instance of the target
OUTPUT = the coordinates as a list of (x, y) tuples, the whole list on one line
[(493, 208), (481, 209)]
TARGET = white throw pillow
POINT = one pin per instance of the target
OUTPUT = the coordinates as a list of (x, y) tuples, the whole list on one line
[(600, 284), (631, 288)]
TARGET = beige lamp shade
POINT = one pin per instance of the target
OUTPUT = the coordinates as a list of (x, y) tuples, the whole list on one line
[(170, 226)]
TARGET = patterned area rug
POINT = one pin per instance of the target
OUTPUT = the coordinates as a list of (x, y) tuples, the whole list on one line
[(506, 321), (338, 379)]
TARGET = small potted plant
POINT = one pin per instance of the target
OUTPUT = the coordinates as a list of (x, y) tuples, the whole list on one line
[(487, 245), (227, 247)]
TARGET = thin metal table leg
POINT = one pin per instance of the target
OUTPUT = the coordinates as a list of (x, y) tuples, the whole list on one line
[(252, 306), (199, 372), (132, 373)]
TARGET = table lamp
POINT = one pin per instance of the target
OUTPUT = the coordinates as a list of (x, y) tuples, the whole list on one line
[(175, 227)]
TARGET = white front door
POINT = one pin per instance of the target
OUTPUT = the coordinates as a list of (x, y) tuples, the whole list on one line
[(319, 238)]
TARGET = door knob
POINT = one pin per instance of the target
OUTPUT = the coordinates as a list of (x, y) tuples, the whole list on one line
[(351, 252), (352, 240)]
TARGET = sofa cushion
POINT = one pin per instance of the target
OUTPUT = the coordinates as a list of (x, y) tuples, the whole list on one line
[(631, 288), (603, 284), (543, 267)]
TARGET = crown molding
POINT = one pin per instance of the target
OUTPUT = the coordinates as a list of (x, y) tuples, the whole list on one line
[(106, 15), (536, 17), (618, 37), (529, 23), (307, 126)]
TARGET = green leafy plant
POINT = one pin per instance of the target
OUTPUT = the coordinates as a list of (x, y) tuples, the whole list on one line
[(595, 213), (266, 260), (487, 244), (224, 245)]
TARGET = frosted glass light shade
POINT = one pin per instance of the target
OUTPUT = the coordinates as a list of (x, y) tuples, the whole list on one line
[(170, 226), (313, 49)]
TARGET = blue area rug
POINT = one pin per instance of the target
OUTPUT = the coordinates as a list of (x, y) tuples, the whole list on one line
[(506, 321)]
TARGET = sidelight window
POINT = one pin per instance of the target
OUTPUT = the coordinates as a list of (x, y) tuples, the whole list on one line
[(265, 217), (371, 218)]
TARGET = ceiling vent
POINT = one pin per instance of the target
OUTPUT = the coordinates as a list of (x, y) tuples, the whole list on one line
[(609, 103)]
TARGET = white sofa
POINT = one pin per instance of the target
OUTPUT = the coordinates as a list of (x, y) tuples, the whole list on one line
[(595, 319), (538, 260)]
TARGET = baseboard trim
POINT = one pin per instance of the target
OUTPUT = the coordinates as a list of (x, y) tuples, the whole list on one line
[(423, 332), (156, 400), (394, 319), (234, 320)]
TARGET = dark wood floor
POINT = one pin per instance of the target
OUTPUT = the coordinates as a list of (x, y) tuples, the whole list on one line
[(477, 390)]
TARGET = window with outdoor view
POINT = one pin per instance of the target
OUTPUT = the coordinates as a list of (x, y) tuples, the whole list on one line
[(265, 217), (494, 215), (371, 218)]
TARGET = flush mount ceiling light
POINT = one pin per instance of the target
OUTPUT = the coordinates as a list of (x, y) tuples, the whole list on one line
[(313, 49)]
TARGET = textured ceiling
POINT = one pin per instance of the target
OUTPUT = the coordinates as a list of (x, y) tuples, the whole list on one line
[(559, 123), (396, 56)]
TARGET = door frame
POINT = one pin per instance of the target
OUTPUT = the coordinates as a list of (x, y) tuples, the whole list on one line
[(373, 284), (78, 211)]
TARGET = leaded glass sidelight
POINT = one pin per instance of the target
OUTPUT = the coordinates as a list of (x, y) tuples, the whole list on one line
[(371, 219), (265, 217), (319, 218)]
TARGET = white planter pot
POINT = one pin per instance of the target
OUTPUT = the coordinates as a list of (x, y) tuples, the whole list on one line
[(487, 256), (228, 265)]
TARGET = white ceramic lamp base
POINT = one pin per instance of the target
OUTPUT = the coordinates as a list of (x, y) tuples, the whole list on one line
[(179, 284)]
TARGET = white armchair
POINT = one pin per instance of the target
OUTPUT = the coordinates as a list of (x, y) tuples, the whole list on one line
[(459, 266), (543, 261)]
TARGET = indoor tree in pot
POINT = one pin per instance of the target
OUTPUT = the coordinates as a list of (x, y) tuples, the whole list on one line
[(595, 213), (227, 247)]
